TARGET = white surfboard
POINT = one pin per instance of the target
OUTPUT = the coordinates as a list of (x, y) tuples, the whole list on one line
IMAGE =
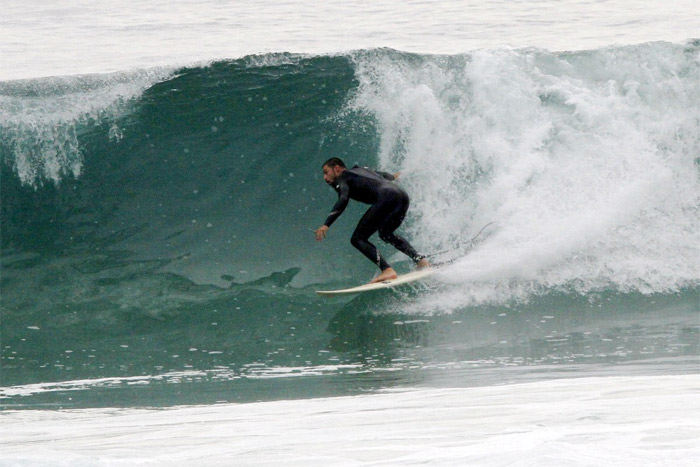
[(402, 279)]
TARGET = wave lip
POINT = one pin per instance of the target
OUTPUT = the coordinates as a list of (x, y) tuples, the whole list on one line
[(41, 119)]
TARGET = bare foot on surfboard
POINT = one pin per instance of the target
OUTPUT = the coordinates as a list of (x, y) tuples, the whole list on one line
[(386, 275)]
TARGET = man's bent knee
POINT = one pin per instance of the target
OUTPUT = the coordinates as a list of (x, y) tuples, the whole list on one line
[(357, 241), (386, 237)]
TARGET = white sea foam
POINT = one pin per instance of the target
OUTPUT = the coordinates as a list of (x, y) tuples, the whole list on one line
[(613, 421), (251, 371), (586, 160)]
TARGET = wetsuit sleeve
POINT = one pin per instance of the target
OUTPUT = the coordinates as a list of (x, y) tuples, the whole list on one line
[(386, 175), (341, 204)]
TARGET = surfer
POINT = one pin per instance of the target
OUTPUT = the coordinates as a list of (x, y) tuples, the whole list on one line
[(389, 204)]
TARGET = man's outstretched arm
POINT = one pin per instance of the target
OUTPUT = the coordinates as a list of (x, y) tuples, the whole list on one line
[(338, 208)]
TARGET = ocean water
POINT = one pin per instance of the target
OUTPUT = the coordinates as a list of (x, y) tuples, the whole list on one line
[(160, 185)]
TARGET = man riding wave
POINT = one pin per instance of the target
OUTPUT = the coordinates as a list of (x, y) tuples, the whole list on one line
[(388, 205)]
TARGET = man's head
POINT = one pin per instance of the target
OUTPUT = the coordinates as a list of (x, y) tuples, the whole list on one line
[(332, 168)]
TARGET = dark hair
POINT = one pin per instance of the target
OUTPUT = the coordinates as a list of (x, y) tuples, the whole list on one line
[(334, 162)]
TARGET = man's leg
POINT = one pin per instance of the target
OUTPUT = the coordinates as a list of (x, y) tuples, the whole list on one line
[(368, 225), (387, 233)]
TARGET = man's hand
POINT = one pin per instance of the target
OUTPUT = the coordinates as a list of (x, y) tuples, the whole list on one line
[(321, 232), (397, 175)]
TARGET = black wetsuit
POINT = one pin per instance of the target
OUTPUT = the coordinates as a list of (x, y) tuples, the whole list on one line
[(389, 205)]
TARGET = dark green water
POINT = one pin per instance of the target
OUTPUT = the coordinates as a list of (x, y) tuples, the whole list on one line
[(157, 239)]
